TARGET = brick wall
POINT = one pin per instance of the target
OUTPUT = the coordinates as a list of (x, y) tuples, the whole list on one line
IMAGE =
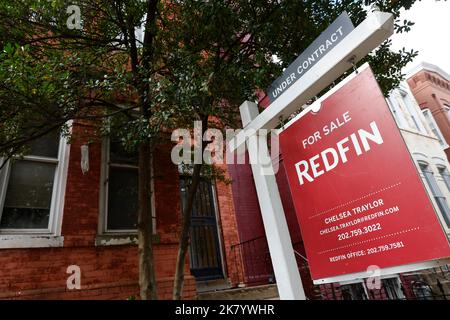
[(432, 91), (107, 272)]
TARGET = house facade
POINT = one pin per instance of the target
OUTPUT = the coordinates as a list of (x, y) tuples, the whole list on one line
[(68, 208)]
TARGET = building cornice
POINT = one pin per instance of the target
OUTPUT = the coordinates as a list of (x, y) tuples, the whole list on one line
[(428, 67)]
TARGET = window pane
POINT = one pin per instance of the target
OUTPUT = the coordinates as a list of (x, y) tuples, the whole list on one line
[(433, 126), (119, 155), (392, 288), (437, 194), (122, 199), (28, 195), (46, 146), (353, 291), (444, 173)]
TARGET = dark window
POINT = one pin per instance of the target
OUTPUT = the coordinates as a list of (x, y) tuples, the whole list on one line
[(29, 186), (122, 201), (204, 246), (354, 291)]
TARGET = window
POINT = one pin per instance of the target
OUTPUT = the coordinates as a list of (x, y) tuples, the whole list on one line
[(436, 192), (120, 189), (30, 186), (397, 113), (447, 109), (405, 110), (434, 127), (205, 247), (445, 175), (119, 197), (422, 290), (405, 106), (393, 288), (353, 291)]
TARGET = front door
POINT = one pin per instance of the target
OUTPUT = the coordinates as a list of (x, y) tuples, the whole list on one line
[(204, 249)]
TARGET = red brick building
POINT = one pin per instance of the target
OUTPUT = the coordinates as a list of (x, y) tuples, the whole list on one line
[(430, 86), (54, 216)]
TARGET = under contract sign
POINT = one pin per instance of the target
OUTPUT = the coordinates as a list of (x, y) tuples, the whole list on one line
[(357, 193)]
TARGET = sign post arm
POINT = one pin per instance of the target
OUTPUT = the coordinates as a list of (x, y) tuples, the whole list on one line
[(377, 27), (280, 246)]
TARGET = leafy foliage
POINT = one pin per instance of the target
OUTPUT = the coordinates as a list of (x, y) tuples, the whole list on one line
[(204, 59)]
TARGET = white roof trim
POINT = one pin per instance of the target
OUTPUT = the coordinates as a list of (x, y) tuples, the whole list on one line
[(429, 67)]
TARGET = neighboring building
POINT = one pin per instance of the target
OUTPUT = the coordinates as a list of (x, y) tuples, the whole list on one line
[(430, 86), (424, 141), (53, 216)]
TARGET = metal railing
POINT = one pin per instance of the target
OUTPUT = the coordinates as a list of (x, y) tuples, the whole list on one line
[(254, 267), (253, 262)]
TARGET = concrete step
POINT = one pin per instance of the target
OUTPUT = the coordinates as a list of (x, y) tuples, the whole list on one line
[(265, 292)]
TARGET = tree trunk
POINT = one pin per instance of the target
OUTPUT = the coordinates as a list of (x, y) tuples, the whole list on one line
[(147, 277), (186, 223), (185, 233)]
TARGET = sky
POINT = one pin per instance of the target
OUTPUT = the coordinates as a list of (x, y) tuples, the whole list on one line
[(430, 35)]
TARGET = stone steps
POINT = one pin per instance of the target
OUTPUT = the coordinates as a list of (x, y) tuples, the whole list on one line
[(264, 292)]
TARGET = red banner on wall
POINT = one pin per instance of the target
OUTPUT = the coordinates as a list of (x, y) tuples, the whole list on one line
[(358, 196)]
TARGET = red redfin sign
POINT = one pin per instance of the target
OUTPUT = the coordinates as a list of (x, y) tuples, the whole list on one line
[(357, 193)]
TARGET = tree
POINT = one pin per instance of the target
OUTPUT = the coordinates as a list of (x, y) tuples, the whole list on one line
[(222, 54), (52, 73), (196, 60)]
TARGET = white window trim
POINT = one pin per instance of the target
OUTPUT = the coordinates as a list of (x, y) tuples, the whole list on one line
[(396, 277), (447, 109), (364, 283), (440, 166), (115, 237), (397, 112), (38, 238), (430, 193), (440, 137), (356, 281)]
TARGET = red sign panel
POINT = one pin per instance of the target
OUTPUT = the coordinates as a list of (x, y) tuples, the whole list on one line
[(358, 196)]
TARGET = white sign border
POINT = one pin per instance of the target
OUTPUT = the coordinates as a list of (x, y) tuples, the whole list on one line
[(315, 108), (385, 271)]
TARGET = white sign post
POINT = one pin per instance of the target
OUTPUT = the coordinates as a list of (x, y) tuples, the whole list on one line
[(356, 45), (277, 232)]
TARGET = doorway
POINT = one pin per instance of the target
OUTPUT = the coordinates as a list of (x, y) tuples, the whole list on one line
[(205, 248)]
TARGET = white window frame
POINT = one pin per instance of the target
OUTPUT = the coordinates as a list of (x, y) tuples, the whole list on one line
[(399, 115), (357, 281), (46, 237), (443, 168), (431, 195), (103, 216), (447, 109), (406, 111), (397, 278), (414, 111), (364, 284), (431, 122)]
